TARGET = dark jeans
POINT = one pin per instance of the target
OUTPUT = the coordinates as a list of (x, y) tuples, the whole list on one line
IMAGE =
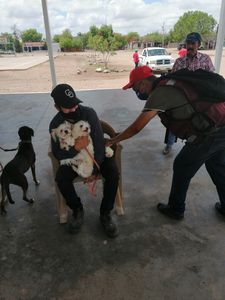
[(65, 176), (211, 152), (170, 138)]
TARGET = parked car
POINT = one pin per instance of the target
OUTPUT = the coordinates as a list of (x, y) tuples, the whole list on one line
[(156, 58)]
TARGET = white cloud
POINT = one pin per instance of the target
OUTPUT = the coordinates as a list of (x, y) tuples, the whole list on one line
[(125, 16)]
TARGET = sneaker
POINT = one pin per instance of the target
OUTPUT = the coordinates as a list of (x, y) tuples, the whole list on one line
[(108, 225), (219, 208), (76, 220), (167, 211), (167, 149)]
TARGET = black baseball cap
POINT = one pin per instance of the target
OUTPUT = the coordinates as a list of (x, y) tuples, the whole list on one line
[(193, 37), (64, 96)]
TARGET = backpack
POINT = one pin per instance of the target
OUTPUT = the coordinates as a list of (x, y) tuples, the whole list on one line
[(208, 113), (210, 86)]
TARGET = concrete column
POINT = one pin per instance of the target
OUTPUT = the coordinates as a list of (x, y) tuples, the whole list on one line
[(49, 42), (220, 37)]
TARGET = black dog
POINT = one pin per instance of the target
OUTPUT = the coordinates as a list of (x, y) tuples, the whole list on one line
[(13, 172)]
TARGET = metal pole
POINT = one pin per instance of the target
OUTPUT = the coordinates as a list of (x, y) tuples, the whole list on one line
[(49, 42), (220, 37)]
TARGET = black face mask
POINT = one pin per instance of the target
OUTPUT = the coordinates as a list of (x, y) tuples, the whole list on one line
[(72, 116), (142, 96)]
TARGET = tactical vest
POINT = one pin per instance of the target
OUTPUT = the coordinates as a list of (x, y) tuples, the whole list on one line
[(206, 118)]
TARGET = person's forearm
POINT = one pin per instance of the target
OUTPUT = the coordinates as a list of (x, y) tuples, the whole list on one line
[(141, 121)]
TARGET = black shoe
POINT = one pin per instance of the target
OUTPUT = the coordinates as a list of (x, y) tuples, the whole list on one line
[(76, 220), (219, 208), (167, 211), (108, 225)]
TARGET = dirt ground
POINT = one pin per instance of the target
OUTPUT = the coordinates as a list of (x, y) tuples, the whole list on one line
[(68, 65)]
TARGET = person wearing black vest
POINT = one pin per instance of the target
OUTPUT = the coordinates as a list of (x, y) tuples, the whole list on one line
[(170, 99)]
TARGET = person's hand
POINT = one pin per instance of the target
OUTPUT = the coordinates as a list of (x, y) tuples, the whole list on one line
[(90, 179), (110, 142), (81, 143)]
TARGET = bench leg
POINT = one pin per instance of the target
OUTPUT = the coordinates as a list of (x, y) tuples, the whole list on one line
[(119, 206), (61, 206)]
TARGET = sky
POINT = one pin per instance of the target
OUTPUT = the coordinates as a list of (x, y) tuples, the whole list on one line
[(142, 16)]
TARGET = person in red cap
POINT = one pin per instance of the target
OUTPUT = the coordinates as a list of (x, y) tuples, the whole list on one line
[(70, 111), (205, 143)]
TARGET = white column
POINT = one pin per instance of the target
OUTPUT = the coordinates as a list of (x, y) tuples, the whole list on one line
[(49, 42), (220, 37)]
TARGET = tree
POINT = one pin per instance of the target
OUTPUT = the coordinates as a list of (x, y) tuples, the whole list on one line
[(132, 36), (156, 37), (66, 43), (17, 38), (31, 35), (67, 34), (192, 21), (93, 30), (120, 40), (56, 38), (104, 40), (83, 38), (10, 41)]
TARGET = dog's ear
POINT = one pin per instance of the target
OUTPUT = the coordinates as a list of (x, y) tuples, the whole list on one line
[(54, 134), (31, 131), (68, 124)]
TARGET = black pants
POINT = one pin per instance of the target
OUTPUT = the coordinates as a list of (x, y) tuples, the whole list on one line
[(211, 152), (65, 176)]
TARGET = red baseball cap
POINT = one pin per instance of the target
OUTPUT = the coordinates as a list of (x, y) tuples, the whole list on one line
[(137, 74)]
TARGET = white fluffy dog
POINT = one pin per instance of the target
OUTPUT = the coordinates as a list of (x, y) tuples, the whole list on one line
[(64, 133), (83, 162)]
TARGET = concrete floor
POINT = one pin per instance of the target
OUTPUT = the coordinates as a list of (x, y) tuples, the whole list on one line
[(22, 62), (153, 258)]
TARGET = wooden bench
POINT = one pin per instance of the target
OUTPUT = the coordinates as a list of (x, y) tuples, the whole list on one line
[(62, 208)]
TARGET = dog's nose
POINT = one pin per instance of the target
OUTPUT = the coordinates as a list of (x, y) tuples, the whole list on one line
[(66, 131)]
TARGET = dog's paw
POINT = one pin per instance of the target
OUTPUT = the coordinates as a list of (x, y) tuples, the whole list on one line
[(31, 200), (37, 182), (11, 201), (109, 152)]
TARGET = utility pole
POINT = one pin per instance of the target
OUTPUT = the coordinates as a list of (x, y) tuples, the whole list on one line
[(163, 33)]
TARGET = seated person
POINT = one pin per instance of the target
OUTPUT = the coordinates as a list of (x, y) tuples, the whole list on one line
[(70, 111)]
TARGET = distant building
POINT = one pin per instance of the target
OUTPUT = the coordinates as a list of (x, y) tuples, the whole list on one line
[(6, 47), (39, 46), (143, 44), (34, 46)]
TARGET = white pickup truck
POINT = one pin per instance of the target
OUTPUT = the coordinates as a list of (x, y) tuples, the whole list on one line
[(158, 59)]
